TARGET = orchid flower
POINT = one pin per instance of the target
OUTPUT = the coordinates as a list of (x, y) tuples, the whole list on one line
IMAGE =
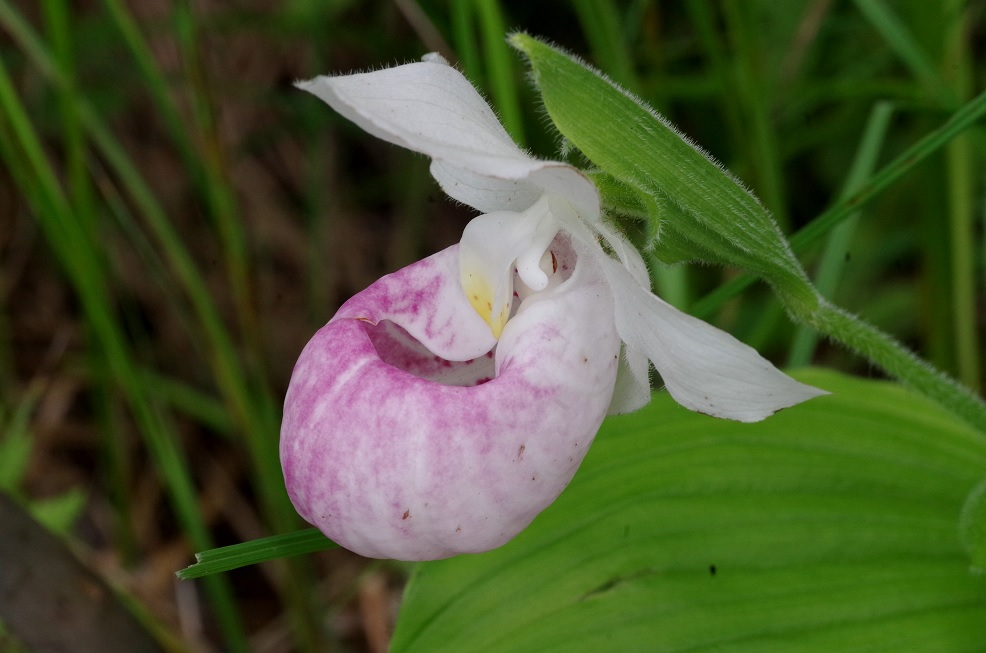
[(445, 406)]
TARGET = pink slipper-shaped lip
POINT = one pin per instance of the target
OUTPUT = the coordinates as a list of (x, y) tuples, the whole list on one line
[(395, 451)]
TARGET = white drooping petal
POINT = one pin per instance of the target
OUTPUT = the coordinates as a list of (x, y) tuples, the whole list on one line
[(704, 369), (429, 107), (564, 182), (484, 193), (627, 253), (632, 391)]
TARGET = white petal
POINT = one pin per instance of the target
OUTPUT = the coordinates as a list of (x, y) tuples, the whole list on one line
[(705, 369), (627, 253), (426, 107), (564, 182), (632, 390), (484, 193), (431, 108)]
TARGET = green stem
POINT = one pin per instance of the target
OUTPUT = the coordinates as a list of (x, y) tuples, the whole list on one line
[(896, 360)]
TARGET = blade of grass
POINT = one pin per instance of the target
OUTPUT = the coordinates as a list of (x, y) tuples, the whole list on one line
[(246, 405), (202, 152), (75, 246), (252, 407), (957, 75), (902, 42), (945, 250), (200, 406), (464, 39), (840, 238), (222, 206), (423, 27), (957, 332), (220, 196), (966, 116), (226, 558), (700, 13), (602, 27), (752, 97), (58, 23), (502, 67), (15, 437)]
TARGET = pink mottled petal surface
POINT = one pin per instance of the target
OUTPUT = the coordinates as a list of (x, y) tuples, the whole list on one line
[(426, 299), (389, 464)]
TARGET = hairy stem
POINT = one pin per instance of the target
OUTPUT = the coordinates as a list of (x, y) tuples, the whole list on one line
[(892, 357)]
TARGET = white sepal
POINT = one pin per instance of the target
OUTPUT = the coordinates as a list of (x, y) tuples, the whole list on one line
[(705, 369), (429, 107)]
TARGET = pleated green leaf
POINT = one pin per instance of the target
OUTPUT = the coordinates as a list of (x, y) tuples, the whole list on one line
[(832, 526)]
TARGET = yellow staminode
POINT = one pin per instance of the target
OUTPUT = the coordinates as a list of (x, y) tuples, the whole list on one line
[(482, 298)]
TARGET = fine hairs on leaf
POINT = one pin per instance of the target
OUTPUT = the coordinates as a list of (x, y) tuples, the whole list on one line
[(718, 219)]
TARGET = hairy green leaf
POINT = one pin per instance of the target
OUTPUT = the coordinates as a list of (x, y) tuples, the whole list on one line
[(703, 204)]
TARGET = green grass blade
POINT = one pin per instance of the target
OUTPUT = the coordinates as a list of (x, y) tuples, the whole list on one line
[(75, 246), (275, 547), (702, 18), (58, 22), (200, 406), (251, 407), (501, 66), (840, 238), (206, 162), (601, 24), (16, 439), (220, 196), (960, 160), (958, 122), (245, 404), (752, 96), (902, 42), (464, 39)]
